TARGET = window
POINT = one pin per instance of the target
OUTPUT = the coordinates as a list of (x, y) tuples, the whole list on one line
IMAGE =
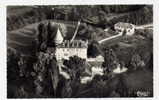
[(65, 54), (128, 30)]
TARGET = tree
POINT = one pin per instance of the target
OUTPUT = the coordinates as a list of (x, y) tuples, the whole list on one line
[(54, 71), (67, 90), (75, 66), (87, 32), (136, 61), (47, 75), (93, 49), (42, 37), (110, 60), (16, 86), (102, 19)]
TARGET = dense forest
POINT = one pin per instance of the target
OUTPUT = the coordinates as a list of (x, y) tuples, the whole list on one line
[(136, 14)]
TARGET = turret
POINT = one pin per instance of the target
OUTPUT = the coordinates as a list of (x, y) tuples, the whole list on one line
[(58, 38)]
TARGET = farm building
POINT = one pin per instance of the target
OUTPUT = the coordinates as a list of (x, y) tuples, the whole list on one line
[(124, 28)]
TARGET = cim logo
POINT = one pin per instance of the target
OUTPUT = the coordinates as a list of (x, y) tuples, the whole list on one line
[(143, 93)]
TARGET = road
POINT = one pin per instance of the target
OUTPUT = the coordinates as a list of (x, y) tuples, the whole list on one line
[(146, 26), (109, 38)]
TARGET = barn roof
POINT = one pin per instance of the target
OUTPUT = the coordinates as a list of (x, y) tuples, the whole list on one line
[(124, 25)]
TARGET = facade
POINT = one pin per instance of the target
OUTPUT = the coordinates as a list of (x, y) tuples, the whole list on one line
[(124, 28), (68, 49)]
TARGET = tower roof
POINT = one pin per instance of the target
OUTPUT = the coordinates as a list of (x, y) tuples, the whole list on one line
[(58, 38)]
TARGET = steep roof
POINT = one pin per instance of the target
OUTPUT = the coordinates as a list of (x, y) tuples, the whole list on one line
[(58, 38)]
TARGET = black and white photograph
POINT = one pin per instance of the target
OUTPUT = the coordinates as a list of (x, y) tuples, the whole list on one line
[(79, 51)]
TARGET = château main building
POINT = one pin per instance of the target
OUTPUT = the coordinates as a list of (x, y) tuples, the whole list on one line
[(67, 48)]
